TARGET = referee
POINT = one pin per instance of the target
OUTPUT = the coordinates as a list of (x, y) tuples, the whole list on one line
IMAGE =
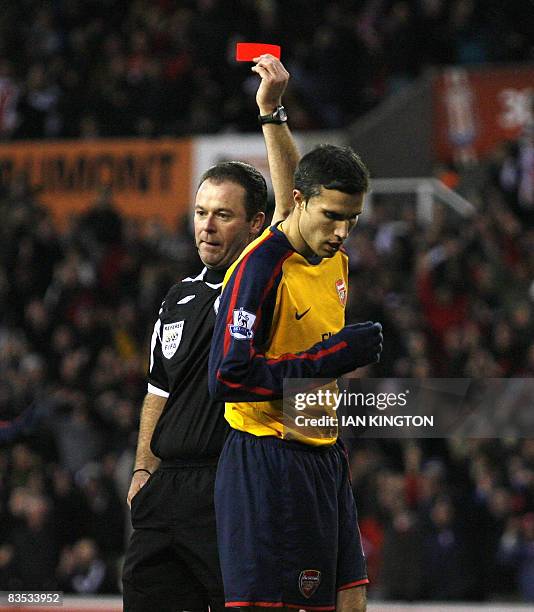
[(172, 562)]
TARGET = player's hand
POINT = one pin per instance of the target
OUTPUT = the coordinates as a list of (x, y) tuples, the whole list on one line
[(365, 341), (139, 480), (274, 79)]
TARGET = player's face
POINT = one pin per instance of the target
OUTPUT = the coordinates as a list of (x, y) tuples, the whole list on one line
[(221, 227), (327, 219)]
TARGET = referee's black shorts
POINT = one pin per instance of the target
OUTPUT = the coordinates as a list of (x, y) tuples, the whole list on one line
[(172, 562)]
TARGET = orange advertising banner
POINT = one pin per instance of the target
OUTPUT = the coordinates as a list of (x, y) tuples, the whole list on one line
[(147, 178), (476, 109)]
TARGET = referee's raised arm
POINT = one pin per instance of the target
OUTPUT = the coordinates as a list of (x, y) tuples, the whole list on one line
[(282, 151)]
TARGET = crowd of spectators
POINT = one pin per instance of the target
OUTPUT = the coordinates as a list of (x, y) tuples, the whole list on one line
[(78, 303), (74, 68)]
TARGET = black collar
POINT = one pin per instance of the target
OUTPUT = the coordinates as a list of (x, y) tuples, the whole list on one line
[(214, 276)]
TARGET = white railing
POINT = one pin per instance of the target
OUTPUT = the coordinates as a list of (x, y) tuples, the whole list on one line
[(427, 191)]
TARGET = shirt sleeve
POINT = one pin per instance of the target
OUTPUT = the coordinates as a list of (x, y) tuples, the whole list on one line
[(158, 383), (238, 367)]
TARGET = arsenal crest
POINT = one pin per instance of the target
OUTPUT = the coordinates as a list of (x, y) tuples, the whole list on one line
[(171, 338), (341, 291), (309, 581)]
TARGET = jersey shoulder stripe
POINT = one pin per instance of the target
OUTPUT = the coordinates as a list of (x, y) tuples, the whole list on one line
[(260, 265)]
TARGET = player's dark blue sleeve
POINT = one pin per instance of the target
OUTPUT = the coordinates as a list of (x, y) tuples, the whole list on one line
[(238, 369)]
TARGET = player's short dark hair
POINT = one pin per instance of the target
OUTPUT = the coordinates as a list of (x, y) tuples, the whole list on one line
[(331, 167), (245, 175)]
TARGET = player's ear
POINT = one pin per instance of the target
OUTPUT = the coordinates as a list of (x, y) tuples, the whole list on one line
[(257, 223), (299, 199)]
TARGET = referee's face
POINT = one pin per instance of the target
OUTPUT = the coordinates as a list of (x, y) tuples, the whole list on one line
[(221, 227), (325, 220)]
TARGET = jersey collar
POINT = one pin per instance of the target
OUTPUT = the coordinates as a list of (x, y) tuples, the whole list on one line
[(214, 277)]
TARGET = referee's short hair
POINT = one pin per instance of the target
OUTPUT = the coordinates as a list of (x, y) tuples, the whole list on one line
[(245, 175), (331, 167)]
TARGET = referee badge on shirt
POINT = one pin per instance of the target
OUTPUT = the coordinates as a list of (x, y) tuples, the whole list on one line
[(242, 327), (309, 581), (171, 338), (341, 291)]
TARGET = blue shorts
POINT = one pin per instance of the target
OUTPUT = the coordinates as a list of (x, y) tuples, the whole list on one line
[(286, 524)]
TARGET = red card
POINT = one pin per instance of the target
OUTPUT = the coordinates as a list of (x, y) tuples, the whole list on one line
[(245, 52)]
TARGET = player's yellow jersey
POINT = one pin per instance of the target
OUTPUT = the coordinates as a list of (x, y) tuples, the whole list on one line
[(277, 305)]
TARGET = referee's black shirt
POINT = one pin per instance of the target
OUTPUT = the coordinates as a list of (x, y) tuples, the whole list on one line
[(192, 425)]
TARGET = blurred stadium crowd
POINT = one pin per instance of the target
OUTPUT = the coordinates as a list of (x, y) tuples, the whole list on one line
[(441, 519), (120, 68)]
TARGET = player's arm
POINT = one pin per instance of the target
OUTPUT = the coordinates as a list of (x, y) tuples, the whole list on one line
[(238, 368), (153, 405), (282, 151)]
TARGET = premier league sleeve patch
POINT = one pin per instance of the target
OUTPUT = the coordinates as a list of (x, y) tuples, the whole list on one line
[(171, 337), (242, 325)]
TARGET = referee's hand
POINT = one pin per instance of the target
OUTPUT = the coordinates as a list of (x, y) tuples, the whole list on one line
[(139, 479), (274, 79)]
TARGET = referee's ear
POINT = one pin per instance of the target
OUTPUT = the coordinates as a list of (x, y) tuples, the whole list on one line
[(256, 224)]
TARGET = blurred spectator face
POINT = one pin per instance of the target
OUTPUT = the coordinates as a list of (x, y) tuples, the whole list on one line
[(124, 414), (36, 315), (22, 457), (221, 227), (84, 319), (421, 368), (521, 315), (36, 511), (391, 492), (61, 481), (482, 363), (71, 366), (453, 341), (18, 501), (33, 370), (521, 477), (502, 336), (403, 521), (442, 513), (484, 278), (500, 502), (431, 481), (85, 552), (417, 344), (62, 339), (527, 525)]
